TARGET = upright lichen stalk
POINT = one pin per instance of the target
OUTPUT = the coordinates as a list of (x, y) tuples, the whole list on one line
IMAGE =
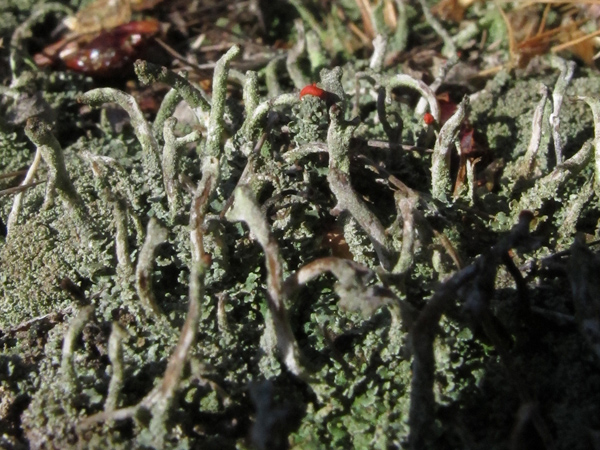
[(58, 177), (214, 132), (182, 88), (247, 210), (16, 208), (440, 161), (143, 131), (567, 69), (338, 143), (594, 104)]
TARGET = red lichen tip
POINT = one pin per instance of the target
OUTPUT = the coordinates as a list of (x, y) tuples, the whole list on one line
[(312, 89), (428, 118)]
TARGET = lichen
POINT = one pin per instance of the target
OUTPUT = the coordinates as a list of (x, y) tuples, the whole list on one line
[(298, 272)]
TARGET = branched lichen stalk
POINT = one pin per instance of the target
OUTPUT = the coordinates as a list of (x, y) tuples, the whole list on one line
[(406, 204), (247, 210), (339, 135), (527, 164), (121, 239), (166, 110), (403, 80), (440, 160), (304, 150), (200, 203), (155, 235), (115, 354), (251, 92), (152, 73), (349, 200), (222, 321), (67, 367), (141, 128), (215, 121), (547, 187), (422, 399), (437, 82), (101, 167), (341, 268), (338, 144), (471, 179), (332, 82), (41, 135), (13, 217), (378, 56), (251, 97), (567, 69), (381, 25), (573, 209), (163, 399), (252, 126), (160, 399), (252, 175), (372, 78), (170, 162), (394, 134), (236, 76), (352, 285)]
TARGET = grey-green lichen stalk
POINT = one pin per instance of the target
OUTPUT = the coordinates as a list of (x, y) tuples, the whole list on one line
[(59, 180), (440, 160), (247, 210), (594, 104)]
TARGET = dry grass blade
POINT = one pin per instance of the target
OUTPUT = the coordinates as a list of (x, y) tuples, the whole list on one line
[(577, 42), (365, 12), (20, 188), (567, 35), (526, 3), (13, 174), (509, 30)]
